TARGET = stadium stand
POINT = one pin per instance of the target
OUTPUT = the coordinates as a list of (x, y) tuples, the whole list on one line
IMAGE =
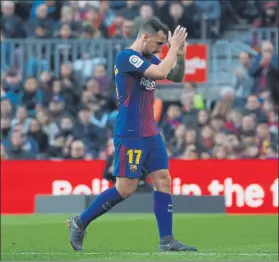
[(58, 96)]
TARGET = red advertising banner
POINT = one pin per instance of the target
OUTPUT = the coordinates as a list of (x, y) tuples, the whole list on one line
[(196, 63), (250, 186)]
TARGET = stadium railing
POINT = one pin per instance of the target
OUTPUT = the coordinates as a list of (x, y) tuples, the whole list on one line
[(33, 56)]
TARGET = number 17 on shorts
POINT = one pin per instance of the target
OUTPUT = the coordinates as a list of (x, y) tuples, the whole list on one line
[(129, 157), (131, 154)]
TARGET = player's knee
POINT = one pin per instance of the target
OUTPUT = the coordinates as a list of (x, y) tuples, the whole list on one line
[(126, 186), (162, 181)]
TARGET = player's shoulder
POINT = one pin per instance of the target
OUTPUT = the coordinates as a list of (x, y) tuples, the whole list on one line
[(128, 56)]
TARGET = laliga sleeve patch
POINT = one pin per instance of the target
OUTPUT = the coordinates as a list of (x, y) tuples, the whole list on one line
[(135, 61)]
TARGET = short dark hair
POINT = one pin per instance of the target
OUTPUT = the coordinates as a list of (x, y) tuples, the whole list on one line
[(153, 25)]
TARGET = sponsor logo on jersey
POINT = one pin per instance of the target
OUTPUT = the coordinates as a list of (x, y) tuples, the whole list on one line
[(149, 85), (135, 61)]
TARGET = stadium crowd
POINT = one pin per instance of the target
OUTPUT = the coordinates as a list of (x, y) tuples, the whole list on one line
[(58, 118)]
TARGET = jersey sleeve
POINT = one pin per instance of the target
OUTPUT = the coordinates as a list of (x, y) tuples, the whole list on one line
[(156, 60), (130, 62)]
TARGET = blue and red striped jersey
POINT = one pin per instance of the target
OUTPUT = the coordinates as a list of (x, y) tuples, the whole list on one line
[(135, 95)]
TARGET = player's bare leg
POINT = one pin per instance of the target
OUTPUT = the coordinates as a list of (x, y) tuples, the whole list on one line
[(126, 186), (77, 225), (164, 212)]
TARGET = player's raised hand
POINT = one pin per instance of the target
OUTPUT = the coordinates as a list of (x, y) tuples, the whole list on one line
[(178, 38), (182, 49)]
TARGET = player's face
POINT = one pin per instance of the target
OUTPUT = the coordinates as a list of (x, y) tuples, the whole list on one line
[(154, 43)]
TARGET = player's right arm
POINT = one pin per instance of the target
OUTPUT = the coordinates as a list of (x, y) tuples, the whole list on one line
[(161, 71)]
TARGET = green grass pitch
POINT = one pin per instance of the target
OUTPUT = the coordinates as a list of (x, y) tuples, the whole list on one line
[(134, 237)]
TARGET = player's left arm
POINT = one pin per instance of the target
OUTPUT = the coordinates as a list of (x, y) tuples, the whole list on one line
[(177, 73)]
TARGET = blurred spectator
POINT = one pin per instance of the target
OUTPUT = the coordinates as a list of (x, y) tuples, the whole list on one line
[(53, 8), (31, 96), (203, 119), (190, 137), (48, 127), (15, 149), (233, 122), (160, 8), (206, 140), (198, 99), (265, 68), (226, 102), (268, 16), (89, 32), (193, 15), (12, 86), (56, 109), (93, 17), (55, 150), (248, 124), (67, 17), (190, 153), (265, 138), (38, 135), (100, 75), (5, 127), (41, 21), (65, 33), (22, 118), (77, 150), (253, 108), (145, 13), (177, 142), (6, 109), (173, 119), (189, 112), (127, 30), (211, 12), (175, 17), (49, 87), (219, 152), (66, 127), (251, 151), (67, 88), (217, 123), (107, 16), (242, 82), (29, 144), (11, 25), (131, 10), (93, 136)]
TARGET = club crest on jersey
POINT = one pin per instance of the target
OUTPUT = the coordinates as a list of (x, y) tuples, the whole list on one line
[(135, 61), (133, 168), (148, 85)]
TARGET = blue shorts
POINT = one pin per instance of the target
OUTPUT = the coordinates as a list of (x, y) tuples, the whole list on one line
[(134, 153)]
